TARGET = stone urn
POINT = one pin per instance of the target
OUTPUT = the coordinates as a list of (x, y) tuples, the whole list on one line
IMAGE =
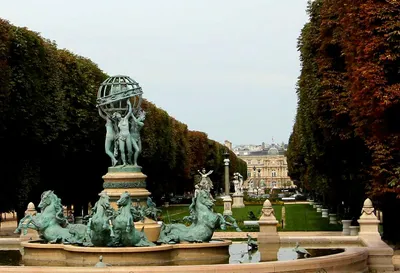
[(354, 230), (324, 213), (346, 227), (332, 219)]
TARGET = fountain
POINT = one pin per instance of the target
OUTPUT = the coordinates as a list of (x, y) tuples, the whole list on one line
[(129, 239), (118, 229), (113, 235)]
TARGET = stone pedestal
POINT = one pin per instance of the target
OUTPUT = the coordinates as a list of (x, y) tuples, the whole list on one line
[(354, 230), (130, 179), (238, 201), (324, 213), (227, 205), (346, 227), (368, 221), (319, 208), (268, 252), (312, 202), (332, 219), (380, 258), (314, 205), (268, 233), (31, 233), (127, 179)]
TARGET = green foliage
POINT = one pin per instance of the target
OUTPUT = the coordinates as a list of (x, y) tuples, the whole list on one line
[(53, 138), (345, 143)]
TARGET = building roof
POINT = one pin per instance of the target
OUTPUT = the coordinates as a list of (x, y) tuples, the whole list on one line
[(272, 149)]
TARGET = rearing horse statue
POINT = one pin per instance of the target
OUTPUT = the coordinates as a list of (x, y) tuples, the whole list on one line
[(100, 225), (124, 227), (51, 223), (204, 222)]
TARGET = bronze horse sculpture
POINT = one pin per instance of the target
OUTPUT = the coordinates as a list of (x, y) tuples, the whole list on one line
[(204, 222), (51, 223), (100, 225)]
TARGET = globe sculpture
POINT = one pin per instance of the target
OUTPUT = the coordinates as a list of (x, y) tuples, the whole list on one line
[(114, 92), (118, 100)]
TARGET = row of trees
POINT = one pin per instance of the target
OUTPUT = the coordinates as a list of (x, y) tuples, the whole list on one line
[(345, 143), (52, 137), (172, 154)]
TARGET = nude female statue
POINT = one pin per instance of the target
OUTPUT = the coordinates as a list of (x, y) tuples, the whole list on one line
[(110, 137), (124, 138), (136, 126)]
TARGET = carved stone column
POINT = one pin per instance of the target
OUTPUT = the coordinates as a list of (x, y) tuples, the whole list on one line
[(227, 186)]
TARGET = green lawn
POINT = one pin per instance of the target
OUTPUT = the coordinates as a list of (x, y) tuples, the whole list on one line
[(302, 217), (299, 217), (174, 213)]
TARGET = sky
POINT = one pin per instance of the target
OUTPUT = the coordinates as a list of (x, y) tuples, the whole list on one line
[(225, 67)]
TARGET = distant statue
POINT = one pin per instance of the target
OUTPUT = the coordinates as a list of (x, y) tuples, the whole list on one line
[(111, 134), (238, 183), (136, 126), (251, 186), (205, 182), (124, 137)]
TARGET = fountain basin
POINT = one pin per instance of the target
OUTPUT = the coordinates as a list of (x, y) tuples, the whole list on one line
[(38, 254), (351, 260)]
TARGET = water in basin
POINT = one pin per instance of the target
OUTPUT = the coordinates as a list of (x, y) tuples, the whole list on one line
[(10, 257), (238, 254)]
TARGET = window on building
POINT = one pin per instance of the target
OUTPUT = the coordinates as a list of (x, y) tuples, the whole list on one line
[(273, 173)]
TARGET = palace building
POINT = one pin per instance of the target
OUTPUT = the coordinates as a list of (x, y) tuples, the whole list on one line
[(266, 165)]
